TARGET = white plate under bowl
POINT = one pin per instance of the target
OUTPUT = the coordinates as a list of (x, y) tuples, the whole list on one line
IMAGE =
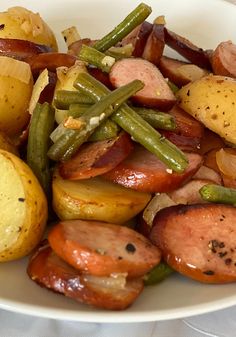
[(206, 23)]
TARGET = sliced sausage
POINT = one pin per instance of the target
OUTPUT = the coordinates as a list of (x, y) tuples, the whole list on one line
[(208, 173), (198, 241), (224, 59), (51, 61), (75, 47), (210, 141), (156, 92), (189, 144), (101, 249), (179, 72), (97, 158), (155, 44), (187, 49), (143, 171), (189, 193), (100, 76), (186, 125), (138, 38), (21, 49), (115, 293)]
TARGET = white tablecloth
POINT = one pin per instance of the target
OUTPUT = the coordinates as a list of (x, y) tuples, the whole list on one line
[(218, 324)]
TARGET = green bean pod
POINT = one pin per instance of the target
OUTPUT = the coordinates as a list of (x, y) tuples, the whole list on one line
[(136, 17), (158, 274), (41, 126), (64, 98), (136, 126), (157, 119), (218, 194), (69, 143), (95, 57)]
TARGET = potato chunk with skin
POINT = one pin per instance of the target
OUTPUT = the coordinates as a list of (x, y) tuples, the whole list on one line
[(212, 101), (96, 199), (21, 23), (23, 208)]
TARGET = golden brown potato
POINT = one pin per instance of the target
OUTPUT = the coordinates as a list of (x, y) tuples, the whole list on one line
[(6, 144), (212, 100), (21, 23), (16, 85), (23, 208), (96, 199)]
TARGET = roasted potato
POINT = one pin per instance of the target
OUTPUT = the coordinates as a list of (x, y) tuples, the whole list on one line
[(16, 83), (20, 23), (212, 101), (96, 199), (23, 208)]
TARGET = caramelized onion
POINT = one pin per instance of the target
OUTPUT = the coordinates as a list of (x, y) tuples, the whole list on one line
[(226, 161)]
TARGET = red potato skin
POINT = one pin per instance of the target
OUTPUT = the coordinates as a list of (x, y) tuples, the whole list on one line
[(156, 92), (97, 158), (223, 59), (155, 44), (143, 171), (100, 249), (48, 270), (51, 61), (138, 38), (198, 241), (100, 76), (21, 49), (188, 50)]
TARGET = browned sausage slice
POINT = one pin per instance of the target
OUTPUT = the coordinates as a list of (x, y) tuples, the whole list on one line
[(138, 38), (21, 49), (223, 59), (51, 61), (186, 125), (143, 171), (101, 249), (155, 44), (198, 240), (156, 92), (189, 193), (115, 293), (179, 72), (96, 158), (187, 49)]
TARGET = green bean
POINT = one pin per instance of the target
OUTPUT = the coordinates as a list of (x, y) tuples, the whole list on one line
[(157, 119), (68, 144), (77, 110), (108, 129), (158, 274), (120, 52), (96, 58), (136, 126), (64, 98), (136, 17), (218, 194), (173, 87), (41, 125)]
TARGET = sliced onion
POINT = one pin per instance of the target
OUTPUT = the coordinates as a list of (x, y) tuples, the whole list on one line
[(158, 202), (39, 86), (192, 72), (14, 68), (114, 281), (226, 161)]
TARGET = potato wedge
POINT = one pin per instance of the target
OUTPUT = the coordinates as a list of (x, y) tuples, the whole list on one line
[(96, 199), (212, 101), (23, 208)]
